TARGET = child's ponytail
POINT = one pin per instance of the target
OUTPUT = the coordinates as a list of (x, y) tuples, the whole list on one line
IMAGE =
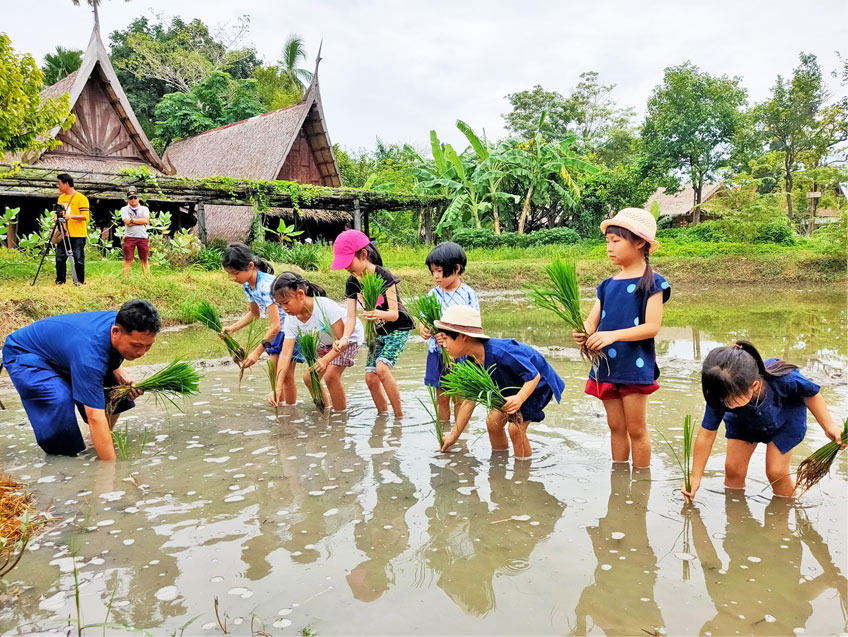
[(238, 257), (730, 371), (373, 255), (291, 282)]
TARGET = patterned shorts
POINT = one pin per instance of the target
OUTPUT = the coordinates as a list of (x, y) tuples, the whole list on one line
[(346, 359), (388, 350)]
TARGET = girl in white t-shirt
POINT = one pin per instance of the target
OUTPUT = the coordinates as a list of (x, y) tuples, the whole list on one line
[(308, 309)]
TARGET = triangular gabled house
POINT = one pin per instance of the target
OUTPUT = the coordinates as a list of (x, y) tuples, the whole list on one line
[(291, 144), (106, 136)]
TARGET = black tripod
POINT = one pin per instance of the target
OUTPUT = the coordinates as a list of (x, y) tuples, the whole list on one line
[(61, 226)]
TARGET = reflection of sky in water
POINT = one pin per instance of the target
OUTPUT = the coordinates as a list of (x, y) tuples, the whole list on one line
[(354, 524)]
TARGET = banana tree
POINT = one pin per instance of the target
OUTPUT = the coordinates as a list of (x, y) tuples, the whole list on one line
[(547, 169), (490, 172)]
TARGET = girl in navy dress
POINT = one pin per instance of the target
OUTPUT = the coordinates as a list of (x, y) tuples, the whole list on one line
[(622, 324), (759, 402)]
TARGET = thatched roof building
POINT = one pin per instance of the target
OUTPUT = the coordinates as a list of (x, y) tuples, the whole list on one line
[(289, 144), (680, 206)]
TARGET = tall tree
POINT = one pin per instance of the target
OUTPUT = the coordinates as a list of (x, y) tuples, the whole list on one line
[(60, 63), (689, 126), (527, 109), (598, 121), (26, 120), (293, 53)]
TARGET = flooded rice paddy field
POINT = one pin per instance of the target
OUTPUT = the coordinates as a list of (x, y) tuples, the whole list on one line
[(354, 523)]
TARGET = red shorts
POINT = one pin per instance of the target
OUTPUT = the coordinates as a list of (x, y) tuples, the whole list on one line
[(610, 391), (131, 243)]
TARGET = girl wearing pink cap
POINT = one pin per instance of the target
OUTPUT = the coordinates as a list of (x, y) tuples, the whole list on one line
[(354, 252), (622, 324)]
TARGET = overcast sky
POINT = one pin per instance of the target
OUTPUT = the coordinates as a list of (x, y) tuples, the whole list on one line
[(396, 69)]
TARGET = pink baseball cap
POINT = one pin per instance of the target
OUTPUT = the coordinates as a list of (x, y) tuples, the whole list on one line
[(346, 245)]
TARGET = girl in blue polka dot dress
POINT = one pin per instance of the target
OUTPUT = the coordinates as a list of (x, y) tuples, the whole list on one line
[(759, 401), (622, 324)]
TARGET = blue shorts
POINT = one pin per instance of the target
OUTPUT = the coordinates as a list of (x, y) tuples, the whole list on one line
[(48, 400), (533, 408), (277, 347), (785, 439), (435, 369)]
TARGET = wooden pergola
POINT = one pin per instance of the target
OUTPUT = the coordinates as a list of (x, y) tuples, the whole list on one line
[(40, 182)]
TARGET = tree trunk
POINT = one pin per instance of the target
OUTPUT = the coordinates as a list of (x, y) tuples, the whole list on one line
[(525, 210), (814, 205), (496, 217), (696, 210), (787, 184)]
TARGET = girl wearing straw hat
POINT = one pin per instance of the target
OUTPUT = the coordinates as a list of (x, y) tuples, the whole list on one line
[(526, 379), (622, 325)]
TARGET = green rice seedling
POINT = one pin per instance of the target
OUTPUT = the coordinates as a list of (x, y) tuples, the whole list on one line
[(309, 348), (428, 310), (434, 414), (205, 313), (271, 366), (684, 461), (817, 465), (470, 381), (178, 378), (372, 288), (121, 440), (563, 299)]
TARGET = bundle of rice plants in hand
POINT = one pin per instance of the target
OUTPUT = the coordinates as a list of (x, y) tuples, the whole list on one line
[(563, 299), (176, 379), (372, 287), (271, 367), (309, 348), (684, 462), (434, 414), (428, 309), (205, 313), (817, 465), (470, 381)]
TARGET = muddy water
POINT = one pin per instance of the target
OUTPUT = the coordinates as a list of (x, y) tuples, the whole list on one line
[(353, 524)]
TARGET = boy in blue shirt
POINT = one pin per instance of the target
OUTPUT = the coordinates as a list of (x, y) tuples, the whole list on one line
[(524, 376), (65, 362)]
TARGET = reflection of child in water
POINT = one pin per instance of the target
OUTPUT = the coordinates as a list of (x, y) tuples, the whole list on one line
[(464, 551), (753, 574), (614, 600)]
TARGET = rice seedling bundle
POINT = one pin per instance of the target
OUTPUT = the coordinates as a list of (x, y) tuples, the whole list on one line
[(470, 381), (309, 348), (271, 367), (684, 460), (563, 299), (178, 378), (434, 414), (428, 309), (372, 287), (204, 312), (817, 465)]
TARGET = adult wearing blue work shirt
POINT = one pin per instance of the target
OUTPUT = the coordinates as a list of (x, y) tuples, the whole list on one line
[(67, 361)]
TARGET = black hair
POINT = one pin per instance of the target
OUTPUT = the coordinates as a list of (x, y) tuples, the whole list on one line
[(65, 178), (448, 256), (449, 333), (372, 254), (238, 257), (646, 281), (731, 370), (138, 316), (291, 281)]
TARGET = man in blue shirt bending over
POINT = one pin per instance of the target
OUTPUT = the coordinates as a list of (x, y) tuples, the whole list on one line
[(66, 362)]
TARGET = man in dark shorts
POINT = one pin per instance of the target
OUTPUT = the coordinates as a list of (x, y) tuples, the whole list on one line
[(136, 219), (64, 363)]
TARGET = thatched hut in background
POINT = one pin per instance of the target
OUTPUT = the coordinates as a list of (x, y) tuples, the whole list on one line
[(289, 144), (680, 206)]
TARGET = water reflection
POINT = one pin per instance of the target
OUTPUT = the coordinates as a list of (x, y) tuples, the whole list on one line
[(762, 586), (473, 541), (621, 598)]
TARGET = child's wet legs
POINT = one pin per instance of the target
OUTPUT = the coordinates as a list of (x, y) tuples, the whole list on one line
[(384, 373), (635, 418), (496, 424), (333, 379), (444, 402), (736, 462), (377, 393), (289, 386), (520, 442), (619, 440), (778, 471)]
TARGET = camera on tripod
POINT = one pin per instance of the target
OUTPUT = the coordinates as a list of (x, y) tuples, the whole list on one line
[(58, 207)]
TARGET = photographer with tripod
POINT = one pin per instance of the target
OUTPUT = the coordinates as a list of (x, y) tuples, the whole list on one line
[(76, 215)]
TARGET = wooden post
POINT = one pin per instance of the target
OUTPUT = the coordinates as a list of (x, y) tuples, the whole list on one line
[(366, 227), (12, 235), (357, 215), (428, 224), (201, 222)]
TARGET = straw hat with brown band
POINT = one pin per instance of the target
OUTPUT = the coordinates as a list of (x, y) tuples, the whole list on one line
[(462, 320)]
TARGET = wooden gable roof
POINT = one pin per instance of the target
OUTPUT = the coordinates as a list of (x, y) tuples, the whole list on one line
[(290, 143), (106, 136)]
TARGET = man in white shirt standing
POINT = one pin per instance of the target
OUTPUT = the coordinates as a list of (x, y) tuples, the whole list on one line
[(136, 218)]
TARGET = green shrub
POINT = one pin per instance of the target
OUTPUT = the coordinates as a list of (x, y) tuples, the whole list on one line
[(209, 258), (218, 244), (480, 238), (304, 255), (269, 250)]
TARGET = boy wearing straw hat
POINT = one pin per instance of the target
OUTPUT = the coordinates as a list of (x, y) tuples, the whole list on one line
[(525, 378)]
